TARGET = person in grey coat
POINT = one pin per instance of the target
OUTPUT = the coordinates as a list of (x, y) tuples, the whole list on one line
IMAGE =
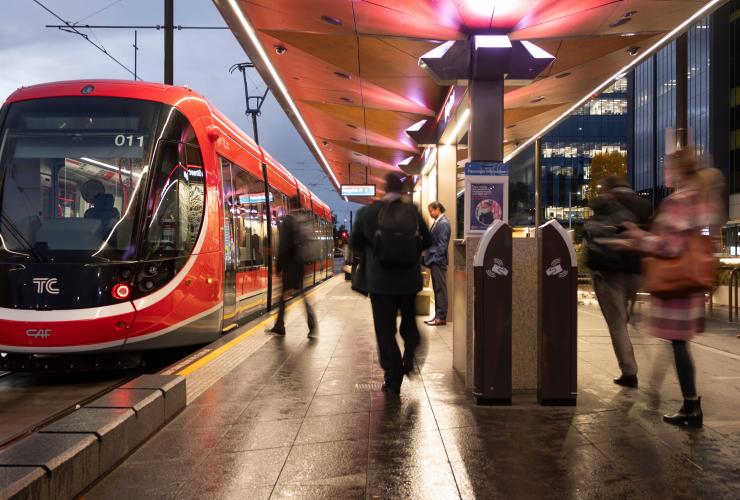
[(292, 270), (435, 259), (391, 288)]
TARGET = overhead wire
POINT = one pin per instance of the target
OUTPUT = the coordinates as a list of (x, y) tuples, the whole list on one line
[(98, 11), (70, 28)]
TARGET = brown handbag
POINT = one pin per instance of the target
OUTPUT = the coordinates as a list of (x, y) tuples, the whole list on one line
[(693, 271)]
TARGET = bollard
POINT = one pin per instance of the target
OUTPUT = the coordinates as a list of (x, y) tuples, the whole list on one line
[(492, 323), (557, 321)]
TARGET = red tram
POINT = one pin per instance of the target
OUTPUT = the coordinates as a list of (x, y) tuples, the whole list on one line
[(135, 216)]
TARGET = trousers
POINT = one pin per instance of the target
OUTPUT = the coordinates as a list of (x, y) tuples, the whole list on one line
[(385, 311), (439, 284), (613, 291), (280, 320)]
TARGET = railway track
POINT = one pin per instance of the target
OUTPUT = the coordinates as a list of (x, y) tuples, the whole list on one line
[(30, 401)]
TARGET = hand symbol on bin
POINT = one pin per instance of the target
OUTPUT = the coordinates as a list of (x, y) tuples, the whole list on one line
[(556, 269), (497, 269)]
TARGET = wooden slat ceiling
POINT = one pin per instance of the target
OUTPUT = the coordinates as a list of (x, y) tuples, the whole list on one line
[(351, 66)]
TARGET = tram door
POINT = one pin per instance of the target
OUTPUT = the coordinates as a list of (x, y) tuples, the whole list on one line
[(231, 258)]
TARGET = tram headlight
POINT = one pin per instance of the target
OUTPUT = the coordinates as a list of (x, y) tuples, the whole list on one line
[(121, 291)]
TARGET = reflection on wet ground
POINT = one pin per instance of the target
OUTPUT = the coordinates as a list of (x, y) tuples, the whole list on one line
[(306, 419)]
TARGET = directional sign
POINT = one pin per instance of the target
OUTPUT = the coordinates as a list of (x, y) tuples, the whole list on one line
[(486, 168), (358, 190)]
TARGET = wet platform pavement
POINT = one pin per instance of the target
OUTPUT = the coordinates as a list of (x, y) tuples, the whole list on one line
[(306, 419)]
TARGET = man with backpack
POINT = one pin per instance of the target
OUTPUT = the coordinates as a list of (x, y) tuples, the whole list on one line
[(296, 249), (390, 235), (615, 274)]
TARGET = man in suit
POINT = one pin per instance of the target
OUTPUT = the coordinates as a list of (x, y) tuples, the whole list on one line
[(436, 260), (392, 288)]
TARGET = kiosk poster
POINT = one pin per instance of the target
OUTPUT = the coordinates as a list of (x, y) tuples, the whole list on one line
[(486, 204)]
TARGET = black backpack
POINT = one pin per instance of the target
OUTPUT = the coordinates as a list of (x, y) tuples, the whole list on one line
[(605, 226), (397, 241), (307, 245)]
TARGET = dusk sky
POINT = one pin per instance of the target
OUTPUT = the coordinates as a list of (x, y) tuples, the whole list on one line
[(31, 54)]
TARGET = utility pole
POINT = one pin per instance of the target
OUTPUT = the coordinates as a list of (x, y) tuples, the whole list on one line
[(253, 102), (254, 109), (136, 50), (169, 41)]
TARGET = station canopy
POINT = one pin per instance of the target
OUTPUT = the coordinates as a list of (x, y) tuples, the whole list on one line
[(348, 72)]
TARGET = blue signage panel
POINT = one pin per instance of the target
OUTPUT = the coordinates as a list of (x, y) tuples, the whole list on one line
[(358, 190), (253, 198), (486, 168)]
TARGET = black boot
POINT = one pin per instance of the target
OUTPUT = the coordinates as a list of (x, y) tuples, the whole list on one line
[(690, 414)]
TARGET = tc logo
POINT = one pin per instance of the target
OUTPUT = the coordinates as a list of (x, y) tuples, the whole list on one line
[(39, 333), (48, 285)]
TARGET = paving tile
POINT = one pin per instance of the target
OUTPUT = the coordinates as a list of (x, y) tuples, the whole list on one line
[(228, 473), (413, 449), (429, 482), (259, 434), (339, 403), (342, 463), (334, 428), (275, 409)]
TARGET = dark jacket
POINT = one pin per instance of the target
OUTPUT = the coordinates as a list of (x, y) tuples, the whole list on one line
[(287, 262), (378, 279), (436, 254), (610, 211)]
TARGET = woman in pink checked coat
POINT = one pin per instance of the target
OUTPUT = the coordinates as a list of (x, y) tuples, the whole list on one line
[(695, 206)]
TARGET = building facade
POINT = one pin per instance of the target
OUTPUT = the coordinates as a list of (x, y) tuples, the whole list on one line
[(688, 92), (599, 126)]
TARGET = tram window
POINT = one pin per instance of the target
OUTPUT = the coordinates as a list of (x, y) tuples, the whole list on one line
[(177, 128), (176, 203), (249, 217), (72, 170)]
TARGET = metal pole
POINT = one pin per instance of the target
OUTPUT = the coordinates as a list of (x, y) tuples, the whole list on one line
[(136, 50), (570, 210), (537, 184), (350, 220), (254, 128), (169, 30)]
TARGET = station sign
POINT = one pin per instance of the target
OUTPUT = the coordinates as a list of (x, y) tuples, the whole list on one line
[(250, 199), (358, 190), (486, 168)]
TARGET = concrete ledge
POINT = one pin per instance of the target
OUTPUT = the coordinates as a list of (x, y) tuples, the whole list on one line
[(173, 388), (148, 404), (70, 461), (64, 458), (21, 483), (114, 428)]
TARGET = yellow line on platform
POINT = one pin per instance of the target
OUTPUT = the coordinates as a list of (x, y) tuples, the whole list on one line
[(238, 340)]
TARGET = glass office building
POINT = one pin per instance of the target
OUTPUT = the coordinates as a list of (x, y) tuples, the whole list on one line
[(708, 111), (599, 126)]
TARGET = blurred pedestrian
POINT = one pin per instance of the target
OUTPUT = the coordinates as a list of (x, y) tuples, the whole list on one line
[(435, 259), (679, 228), (296, 235), (390, 234), (615, 274)]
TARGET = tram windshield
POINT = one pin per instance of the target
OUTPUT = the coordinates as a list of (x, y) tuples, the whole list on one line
[(72, 173)]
